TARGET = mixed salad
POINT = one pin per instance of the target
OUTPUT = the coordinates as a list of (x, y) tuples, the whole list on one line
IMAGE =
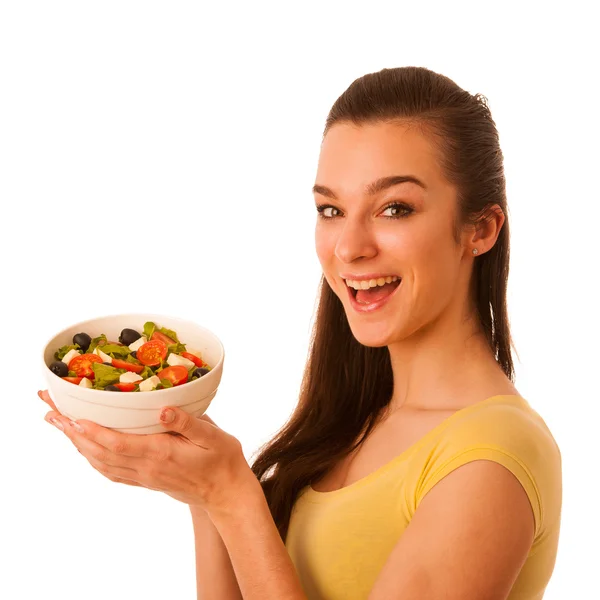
[(139, 362)]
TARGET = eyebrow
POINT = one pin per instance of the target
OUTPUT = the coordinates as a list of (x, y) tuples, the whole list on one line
[(379, 185)]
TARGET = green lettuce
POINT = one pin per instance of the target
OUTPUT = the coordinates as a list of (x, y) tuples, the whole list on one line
[(170, 333), (146, 373), (64, 350), (166, 383), (149, 329), (115, 351), (105, 375), (97, 341), (177, 348), (72, 374)]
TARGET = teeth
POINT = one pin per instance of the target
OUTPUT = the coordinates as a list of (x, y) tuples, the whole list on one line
[(365, 285)]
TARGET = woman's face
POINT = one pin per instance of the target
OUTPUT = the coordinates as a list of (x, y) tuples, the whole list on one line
[(356, 235)]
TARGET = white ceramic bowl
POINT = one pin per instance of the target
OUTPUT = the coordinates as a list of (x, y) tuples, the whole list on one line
[(135, 412)]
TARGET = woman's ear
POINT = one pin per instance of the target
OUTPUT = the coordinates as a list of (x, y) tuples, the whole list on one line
[(486, 230)]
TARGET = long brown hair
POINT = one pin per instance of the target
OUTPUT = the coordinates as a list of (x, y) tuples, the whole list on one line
[(346, 386)]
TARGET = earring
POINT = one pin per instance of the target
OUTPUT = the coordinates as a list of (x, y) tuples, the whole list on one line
[(475, 251)]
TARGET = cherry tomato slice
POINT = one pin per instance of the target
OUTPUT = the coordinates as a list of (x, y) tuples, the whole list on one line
[(195, 359), (157, 335), (125, 387), (152, 353), (75, 380), (82, 365), (176, 374), (123, 364)]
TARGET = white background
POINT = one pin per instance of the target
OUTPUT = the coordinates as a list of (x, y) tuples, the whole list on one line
[(159, 157)]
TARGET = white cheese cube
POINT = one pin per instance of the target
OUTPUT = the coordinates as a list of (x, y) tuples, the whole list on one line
[(136, 345), (149, 384), (70, 355), (130, 377), (175, 359), (102, 355), (86, 383)]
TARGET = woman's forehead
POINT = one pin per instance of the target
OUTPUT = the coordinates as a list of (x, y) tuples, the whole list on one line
[(352, 157)]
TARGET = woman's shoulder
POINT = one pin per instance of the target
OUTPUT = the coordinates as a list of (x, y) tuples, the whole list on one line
[(503, 429), (509, 422)]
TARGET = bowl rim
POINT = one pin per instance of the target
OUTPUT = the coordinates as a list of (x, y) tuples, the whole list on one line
[(150, 317)]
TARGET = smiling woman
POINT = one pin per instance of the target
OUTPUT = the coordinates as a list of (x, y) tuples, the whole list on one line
[(410, 436), (412, 468)]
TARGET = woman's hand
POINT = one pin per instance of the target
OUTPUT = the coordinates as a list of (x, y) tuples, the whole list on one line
[(201, 465)]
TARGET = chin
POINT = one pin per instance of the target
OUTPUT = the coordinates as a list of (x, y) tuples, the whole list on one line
[(373, 336)]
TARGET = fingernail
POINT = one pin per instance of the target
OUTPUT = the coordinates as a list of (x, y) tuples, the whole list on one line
[(76, 426), (167, 416), (57, 423)]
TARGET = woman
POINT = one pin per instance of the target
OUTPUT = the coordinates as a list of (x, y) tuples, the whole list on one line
[(412, 467)]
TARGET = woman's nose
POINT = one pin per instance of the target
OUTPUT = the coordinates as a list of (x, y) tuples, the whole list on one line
[(355, 241)]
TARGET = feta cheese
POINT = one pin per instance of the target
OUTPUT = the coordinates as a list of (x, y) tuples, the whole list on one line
[(136, 345), (70, 355), (175, 359), (149, 384), (86, 383), (102, 355), (130, 377)]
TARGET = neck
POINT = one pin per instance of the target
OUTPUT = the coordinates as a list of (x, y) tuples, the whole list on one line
[(437, 366)]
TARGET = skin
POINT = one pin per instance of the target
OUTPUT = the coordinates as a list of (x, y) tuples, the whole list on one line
[(436, 349), (440, 359), (479, 510)]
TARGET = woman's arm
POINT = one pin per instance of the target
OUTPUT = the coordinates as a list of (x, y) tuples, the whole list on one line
[(214, 573), (467, 540), (262, 565)]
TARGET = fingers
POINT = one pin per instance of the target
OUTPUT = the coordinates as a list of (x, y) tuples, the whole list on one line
[(45, 396), (100, 457)]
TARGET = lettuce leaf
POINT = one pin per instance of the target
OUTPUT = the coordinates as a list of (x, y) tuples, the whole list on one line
[(105, 375), (130, 359), (166, 383), (147, 372), (64, 350), (149, 328), (177, 348), (115, 351), (97, 341), (170, 333)]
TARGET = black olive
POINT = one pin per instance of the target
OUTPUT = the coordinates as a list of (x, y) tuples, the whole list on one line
[(199, 372), (134, 354), (58, 367), (112, 388), (128, 336), (83, 340)]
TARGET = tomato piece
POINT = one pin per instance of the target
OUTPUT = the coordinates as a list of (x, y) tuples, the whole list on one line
[(123, 364), (75, 380), (82, 365), (176, 374), (125, 387), (152, 353), (157, 335), (195, 359)]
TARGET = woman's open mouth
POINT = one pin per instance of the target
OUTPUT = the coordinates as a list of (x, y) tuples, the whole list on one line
[(368, 300)]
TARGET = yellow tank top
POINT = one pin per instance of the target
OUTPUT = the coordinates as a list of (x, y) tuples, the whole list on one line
[(340, 540)]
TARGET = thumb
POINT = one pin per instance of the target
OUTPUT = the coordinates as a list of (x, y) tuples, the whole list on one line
[(195, 429)]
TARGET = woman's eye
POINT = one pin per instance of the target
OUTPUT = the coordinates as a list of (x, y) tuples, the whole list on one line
[(323, 209), (400, 209)]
